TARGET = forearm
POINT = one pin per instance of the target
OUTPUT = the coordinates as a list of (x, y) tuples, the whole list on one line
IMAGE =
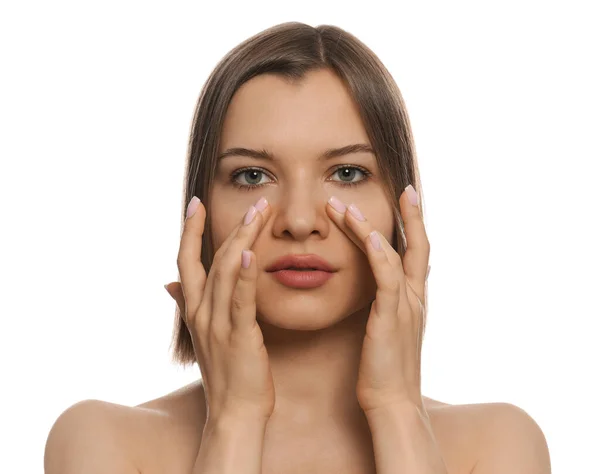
[(231, 445), (403, 441)]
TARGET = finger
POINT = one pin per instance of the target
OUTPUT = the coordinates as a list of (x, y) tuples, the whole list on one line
[(243, 300), (387, 296), (225, 245), (336, 210), (206, 304), (385, 273), (175, 291), (416, 258), (191, 271), (226, 274)]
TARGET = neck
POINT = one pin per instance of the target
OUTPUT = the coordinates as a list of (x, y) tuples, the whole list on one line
[(315, 372)]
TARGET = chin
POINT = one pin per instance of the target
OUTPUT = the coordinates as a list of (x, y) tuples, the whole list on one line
[(300, 317), (308, 309), (297, 323)]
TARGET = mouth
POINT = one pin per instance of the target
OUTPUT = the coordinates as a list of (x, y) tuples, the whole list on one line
[(302, 278), (296, 269), (301, 263)]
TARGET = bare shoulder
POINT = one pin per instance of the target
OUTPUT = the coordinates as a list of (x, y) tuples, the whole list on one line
[(489, 438), (164, 434), (87, 438), (161, 435), (172, 431), (455, 428), (510, 441)]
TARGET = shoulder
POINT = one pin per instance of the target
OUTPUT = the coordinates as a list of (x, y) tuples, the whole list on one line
[(88, 437), (455, 428), (509, 440), (488, 438), (189, 397)]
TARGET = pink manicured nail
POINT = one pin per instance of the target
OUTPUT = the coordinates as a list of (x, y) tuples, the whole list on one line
[(192, 207), (375, 240), (261, 204), (356, 213), (250, 215), (337, 204), (412, 195), (245, 258)]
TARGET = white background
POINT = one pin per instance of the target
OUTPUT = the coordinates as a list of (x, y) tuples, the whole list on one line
[(96, 101)]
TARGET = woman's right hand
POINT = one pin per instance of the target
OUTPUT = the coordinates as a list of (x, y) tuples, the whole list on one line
[(220, 314)]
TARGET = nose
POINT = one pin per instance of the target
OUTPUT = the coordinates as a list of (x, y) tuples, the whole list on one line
[(299, 213)]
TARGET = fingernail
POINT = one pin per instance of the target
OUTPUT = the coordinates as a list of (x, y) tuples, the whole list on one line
[(412, 195), (192, 207), (356, 213), (261, 204), (245, 258), (337, 204), (375, 240), (250, 215), (167, 289)]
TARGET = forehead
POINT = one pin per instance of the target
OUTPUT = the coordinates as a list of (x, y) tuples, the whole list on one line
[(309, 115)]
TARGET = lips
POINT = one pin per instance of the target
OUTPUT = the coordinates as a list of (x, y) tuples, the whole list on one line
[(301, 262)]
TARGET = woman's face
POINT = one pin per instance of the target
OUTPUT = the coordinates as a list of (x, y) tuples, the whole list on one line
[(296, 123)]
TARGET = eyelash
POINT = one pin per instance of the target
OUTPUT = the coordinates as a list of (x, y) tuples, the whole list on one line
[(250, 187)]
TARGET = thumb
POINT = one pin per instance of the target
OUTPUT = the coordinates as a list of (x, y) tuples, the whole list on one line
[(176, 292)]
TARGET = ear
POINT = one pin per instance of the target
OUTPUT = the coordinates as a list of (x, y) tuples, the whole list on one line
[(175, 291)]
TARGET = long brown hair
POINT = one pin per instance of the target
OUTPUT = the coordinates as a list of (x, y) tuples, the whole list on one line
[(290, 50)]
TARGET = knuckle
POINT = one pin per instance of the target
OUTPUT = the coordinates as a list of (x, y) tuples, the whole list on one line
[(245, 277), (231, 261), (189, 317), (396, 260), (219, 273), (180, 258), (225, 263), (218, 332), (201, 325), (425, 240), (219, 253), (237, 303)]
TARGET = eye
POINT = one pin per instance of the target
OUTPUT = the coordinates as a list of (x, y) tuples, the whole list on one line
[(350, 172), (253, 176)]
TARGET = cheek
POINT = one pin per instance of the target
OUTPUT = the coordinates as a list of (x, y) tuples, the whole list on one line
[(362, 286), (382, 219), (224, 219)]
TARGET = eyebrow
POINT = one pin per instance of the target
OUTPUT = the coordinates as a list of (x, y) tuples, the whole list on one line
[(266, 155)]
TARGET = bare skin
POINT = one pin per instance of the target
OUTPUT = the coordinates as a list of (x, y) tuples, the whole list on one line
[(164, 435), (313, 338), (310, 336)]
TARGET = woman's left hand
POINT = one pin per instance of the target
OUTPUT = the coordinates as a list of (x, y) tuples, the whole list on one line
[(390, 366)]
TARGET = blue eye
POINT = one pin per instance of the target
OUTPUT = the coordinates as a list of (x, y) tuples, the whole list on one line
[(255, 173)]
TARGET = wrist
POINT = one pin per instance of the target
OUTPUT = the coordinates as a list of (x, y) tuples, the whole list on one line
[(402, 409), (234, 419)]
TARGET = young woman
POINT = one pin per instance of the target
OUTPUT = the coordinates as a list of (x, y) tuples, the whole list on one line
[(303, 296)]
